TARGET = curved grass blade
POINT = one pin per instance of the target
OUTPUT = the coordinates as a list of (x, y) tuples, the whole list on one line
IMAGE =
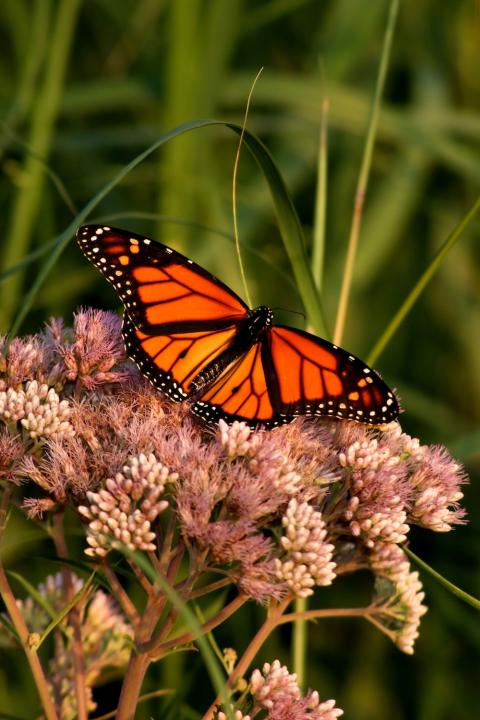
[(461, 594), (113, 217), (33, 592), (287, 218), (422, 283), (83, 567)]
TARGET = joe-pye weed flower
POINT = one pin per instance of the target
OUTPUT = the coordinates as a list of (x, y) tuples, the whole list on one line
[(273, 515)]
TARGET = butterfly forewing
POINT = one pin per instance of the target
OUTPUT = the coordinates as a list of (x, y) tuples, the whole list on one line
[(161, 289)]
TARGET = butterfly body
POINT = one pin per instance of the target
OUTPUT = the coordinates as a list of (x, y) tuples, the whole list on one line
[(196, 340)]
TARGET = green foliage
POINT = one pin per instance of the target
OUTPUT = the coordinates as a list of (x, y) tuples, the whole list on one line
[(84, 88)]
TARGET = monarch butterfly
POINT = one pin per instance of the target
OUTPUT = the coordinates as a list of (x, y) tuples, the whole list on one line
[(195, 339)]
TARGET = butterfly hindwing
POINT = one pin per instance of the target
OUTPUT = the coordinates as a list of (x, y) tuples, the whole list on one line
[(161, 289), (240, 392), (315, 377)]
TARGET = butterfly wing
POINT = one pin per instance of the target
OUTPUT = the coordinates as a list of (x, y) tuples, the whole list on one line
[(307, 375), (162, 290)]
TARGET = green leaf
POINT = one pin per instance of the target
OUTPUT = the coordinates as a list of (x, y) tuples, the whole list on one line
[(33, 592)]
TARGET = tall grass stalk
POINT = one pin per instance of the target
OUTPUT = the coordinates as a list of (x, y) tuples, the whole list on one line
[(45, 111), (299, 634), (319, 225), (364, 175)]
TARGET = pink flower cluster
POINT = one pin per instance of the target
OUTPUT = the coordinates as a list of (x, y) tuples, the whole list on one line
[(277, 513), (275, 691)]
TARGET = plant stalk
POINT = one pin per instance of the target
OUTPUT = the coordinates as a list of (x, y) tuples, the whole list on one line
[(364, 175)]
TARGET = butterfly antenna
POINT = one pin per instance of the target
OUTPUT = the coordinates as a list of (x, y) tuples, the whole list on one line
[(234, 190), (296, 312)]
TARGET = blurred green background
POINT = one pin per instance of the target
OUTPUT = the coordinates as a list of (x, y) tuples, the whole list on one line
[(85, 86)]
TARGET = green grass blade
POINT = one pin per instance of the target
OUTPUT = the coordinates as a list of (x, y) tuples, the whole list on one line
[(8, 626), (114, 217), (287, 218), (461, 594), (422, 283), (290, 230), (364, 175), (32, 62), (268, 12), (318, 250)]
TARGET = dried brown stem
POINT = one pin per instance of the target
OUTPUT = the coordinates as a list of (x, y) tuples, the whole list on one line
[(139, 661), (206, 589), (132, 684), (141, 578), (164, 559)]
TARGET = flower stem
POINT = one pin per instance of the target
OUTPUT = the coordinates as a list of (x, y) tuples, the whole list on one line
[(330, 613), (132, 684), (300, 641), (155, 649), (120, 595), (272, 621)]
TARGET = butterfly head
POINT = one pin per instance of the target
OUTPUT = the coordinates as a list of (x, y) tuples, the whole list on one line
[(259, 320)]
